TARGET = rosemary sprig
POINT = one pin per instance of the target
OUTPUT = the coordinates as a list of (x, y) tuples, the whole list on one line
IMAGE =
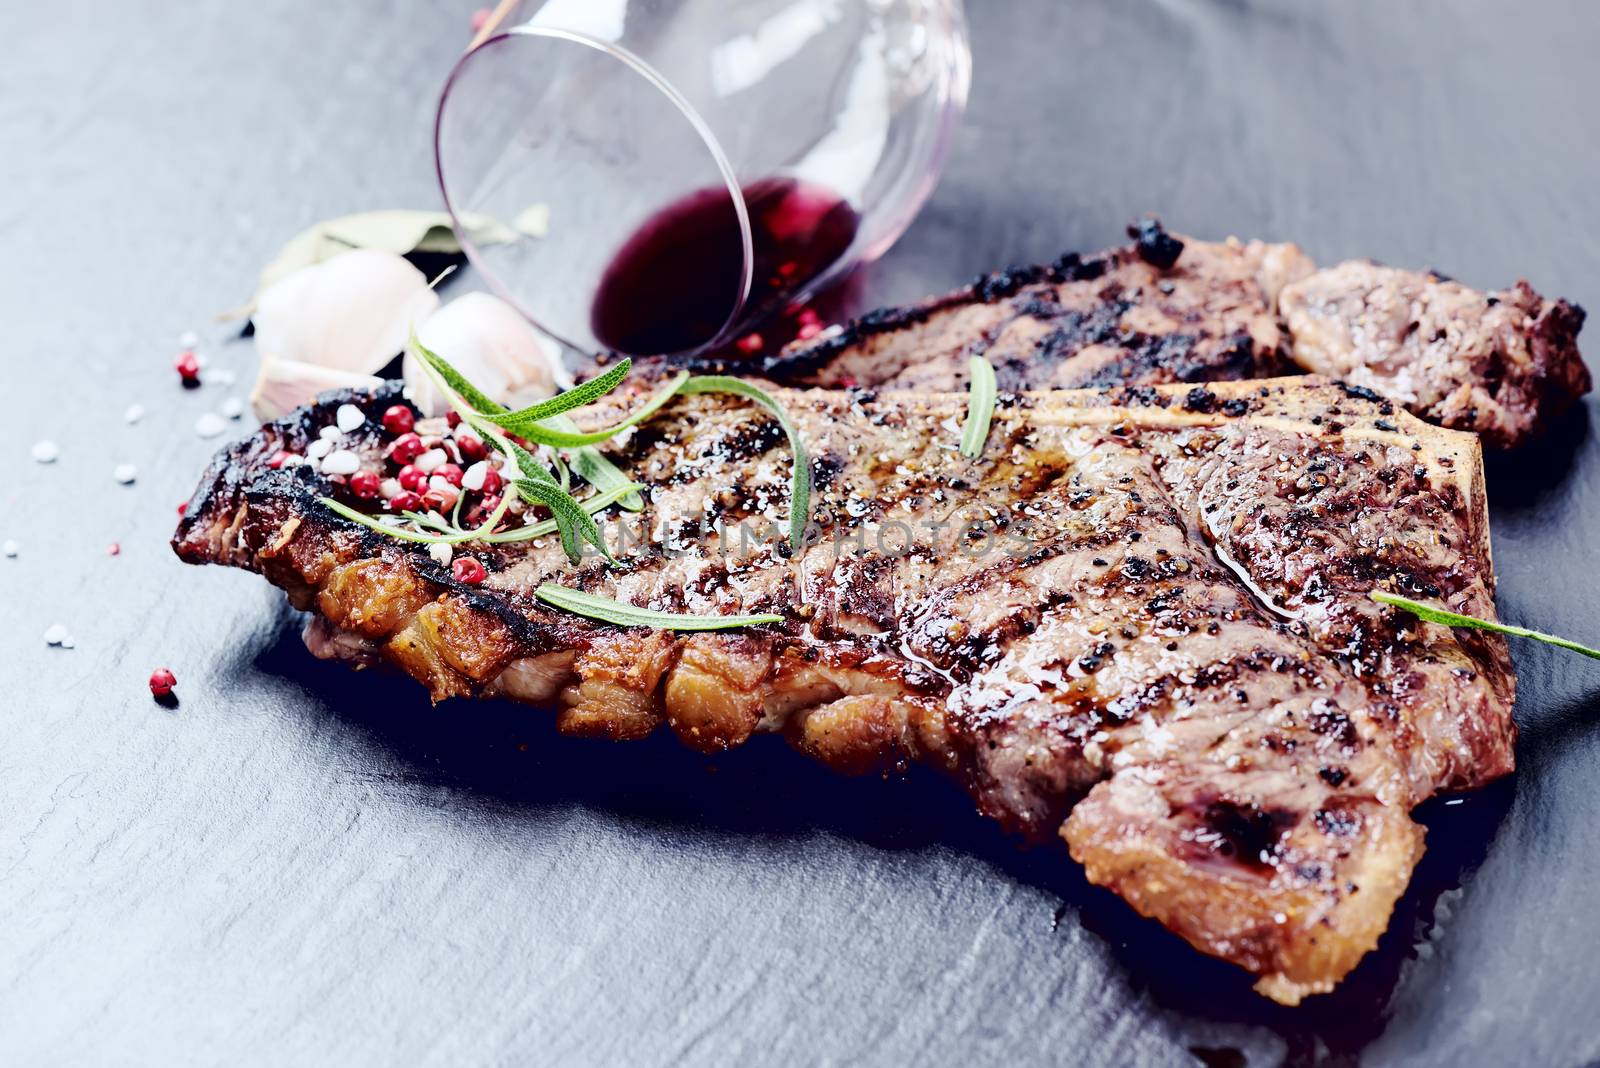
[(573, 523), (599, 502), (548, 423), (800, 480), (537, 484), (531, 418), (607, 610), (392, 530), (1455, 619), (526, 426), (980, 407), (598, 471)]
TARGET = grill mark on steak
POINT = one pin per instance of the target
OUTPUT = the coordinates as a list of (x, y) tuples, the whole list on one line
[(1503, 365), (1108, 681), (1137, 314), (1162, 309)]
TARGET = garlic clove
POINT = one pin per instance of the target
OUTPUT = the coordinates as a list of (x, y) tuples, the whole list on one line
[(489, 342), (285, 385), (352, 313)]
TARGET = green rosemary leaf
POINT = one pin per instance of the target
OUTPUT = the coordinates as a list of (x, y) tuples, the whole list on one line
[(523, 420), (384, 528), (600, 472), (475, 398), (607, 610), (560, 438), (594, 504), (800, 483), (1454, 619), (424, 520), (526, 462), (980, 407), (572, 522)]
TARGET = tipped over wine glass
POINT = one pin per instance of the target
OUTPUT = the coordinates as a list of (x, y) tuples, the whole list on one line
[(660, 176)]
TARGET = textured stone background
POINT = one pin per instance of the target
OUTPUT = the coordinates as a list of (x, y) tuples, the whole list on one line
[(301, 866)]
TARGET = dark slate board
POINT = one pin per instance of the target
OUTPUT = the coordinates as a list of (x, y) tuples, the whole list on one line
[(300, 865)]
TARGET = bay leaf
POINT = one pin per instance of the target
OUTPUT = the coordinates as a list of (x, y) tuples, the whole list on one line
[(396, 231)]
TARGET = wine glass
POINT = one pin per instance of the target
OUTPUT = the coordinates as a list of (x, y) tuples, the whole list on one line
[(657, 176)]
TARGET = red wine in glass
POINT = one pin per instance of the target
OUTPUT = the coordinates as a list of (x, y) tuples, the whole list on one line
[(672, 285)]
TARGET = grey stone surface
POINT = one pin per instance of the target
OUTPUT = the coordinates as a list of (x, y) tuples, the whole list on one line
[(299, 865)]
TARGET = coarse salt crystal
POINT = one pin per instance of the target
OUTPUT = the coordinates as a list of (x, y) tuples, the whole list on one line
[(188, 339), (56, 634), (431, 461), (125, 474), (441, 552), (10, 548), (341, 462), (390, 488), (209, 425), (330, 433), (349, 417), (475, 476), (134, 413), (319, 448), (233, 408), (45, 452)]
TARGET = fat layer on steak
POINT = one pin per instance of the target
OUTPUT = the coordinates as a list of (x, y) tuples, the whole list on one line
[(1138, 622)]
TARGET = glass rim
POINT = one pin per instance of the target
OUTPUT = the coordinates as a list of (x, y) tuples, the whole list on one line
[(640, 67)]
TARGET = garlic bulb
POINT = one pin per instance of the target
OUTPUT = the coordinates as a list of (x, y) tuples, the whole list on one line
[(489, 342), (285, 385), (350, 313)]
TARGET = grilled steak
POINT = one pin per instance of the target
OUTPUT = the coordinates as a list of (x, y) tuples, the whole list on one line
[(1164, 309), (1157, 310), (1502, 365), (1138, 622)]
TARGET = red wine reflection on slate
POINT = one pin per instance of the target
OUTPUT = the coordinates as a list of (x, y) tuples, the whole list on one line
[(673, 283)]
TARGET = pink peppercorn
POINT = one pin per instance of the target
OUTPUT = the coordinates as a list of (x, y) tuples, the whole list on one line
[(162, 682), (410, 478), (188, 367), (406, 447), (365, 484), (466, 569), (404, 502), (398, 420)]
